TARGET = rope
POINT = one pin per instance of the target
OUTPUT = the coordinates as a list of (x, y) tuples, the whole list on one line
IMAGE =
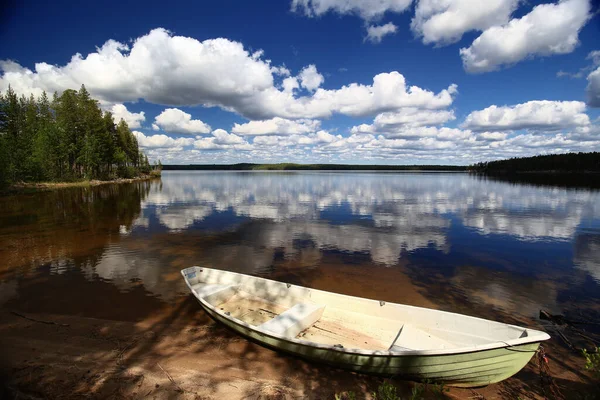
[(546, 380)]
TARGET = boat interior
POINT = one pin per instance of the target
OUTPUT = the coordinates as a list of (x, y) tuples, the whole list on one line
[(346, 322)]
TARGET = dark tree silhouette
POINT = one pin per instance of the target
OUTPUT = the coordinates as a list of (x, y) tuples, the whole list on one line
[(571, 162)]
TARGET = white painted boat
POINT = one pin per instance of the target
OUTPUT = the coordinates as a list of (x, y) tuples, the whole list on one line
[(365, 335)]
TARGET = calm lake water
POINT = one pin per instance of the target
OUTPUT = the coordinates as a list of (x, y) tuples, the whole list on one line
[(449, 241)]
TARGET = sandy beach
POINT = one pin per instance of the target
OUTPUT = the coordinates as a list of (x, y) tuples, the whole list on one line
[(180, 353)]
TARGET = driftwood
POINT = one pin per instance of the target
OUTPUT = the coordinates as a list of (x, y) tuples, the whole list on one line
[(562, 320), (37, 320), (563, 323)]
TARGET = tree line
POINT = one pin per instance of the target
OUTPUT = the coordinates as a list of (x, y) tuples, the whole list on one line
[(570, 162), (64, 139)]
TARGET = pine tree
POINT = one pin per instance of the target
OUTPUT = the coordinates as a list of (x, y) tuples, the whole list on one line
[(4, 156), (47, 144), (92, 134), (32, 169), (107, 144), (12, 125), (68, 120)]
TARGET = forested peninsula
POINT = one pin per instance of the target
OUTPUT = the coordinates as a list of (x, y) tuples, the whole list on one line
[(66, 139), (552, 163)]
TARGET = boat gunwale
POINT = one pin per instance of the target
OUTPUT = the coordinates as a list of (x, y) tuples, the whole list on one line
[(530, 339)]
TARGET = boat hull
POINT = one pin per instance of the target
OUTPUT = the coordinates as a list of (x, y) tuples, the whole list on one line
[(470, 369)]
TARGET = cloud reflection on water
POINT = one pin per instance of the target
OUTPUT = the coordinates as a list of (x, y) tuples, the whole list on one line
[(378, 214), (511, 247), (383, 216), (420, 206)]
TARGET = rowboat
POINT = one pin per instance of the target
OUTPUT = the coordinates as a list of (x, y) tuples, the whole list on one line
[(364, 335)]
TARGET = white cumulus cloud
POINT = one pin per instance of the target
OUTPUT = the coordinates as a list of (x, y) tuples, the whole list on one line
[(492, 136), (366, 9), (134, 120), (161, 141), (547, 30), (175, 120), (445, 21), (593, 88), (326, 137), (181, 71), (221, 140), (276, 126), (414, 117), (222, 137), (375, 33), (289, 84), (537, 115), (403, 122), (387, 93), (159, 67), (310, 78), (444, 134)]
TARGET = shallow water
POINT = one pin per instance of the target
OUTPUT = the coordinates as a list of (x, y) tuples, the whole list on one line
[(450, 241)]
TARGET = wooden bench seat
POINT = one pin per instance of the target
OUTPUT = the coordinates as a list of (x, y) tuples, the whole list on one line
[(412, 338), (294, 320), (215, 294)]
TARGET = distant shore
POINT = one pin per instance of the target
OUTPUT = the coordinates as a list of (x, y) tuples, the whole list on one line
[(311, 167), (34, 187), (548, 165)]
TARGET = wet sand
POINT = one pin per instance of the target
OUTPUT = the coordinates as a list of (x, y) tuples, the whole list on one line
[(97, 348)]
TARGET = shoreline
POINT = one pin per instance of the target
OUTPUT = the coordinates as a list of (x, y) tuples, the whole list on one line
[(180, 352), (312, 167), (35, 187)]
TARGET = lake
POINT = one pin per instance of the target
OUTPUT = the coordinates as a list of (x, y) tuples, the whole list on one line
[(451, 241)]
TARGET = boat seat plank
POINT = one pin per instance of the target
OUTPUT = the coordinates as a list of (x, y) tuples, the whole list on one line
[(412, 338), (294, 320), (215, 294)]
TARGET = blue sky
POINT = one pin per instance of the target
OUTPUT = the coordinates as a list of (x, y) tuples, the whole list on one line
[(371, 81)]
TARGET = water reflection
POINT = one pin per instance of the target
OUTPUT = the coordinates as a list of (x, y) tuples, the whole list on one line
[(58, 227), (419, 207), (438, 222), (587, 254), (462, 242), (366, 213)]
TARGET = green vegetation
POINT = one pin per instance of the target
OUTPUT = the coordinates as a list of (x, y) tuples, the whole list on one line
[(313, 167), (592, 362), (417, 392), (67, 138), (346, 396), (387, 391), (571, 162)]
